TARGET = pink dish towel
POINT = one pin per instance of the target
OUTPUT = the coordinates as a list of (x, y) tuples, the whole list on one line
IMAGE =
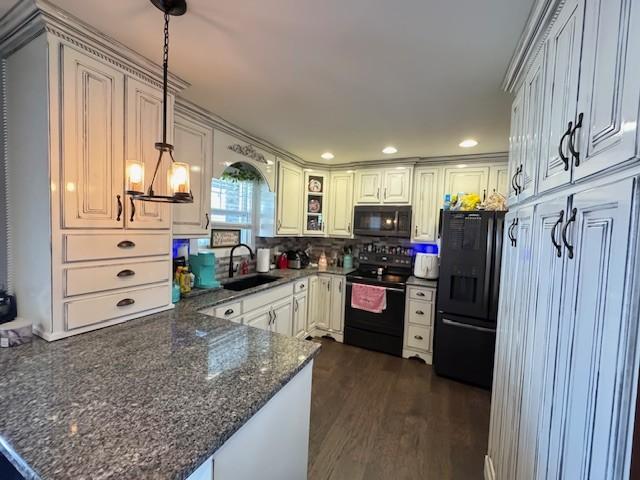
[(368, 298)]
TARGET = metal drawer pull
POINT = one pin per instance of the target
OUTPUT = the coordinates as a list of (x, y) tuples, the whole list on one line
[(553, 234), (126, 244), (564, 233), (572, 148), (464, 325), (420, 294), (229, 311), (419, 312), (126, 273), (125, 302), (206, 227), (418, 337), (563, 157), (133, 210), (119, 208)]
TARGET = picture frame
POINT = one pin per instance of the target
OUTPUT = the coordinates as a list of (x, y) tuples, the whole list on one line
[(224, 238)]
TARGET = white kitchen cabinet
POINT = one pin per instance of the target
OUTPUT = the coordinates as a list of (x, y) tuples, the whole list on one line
[(143, 120), (194, 144), (315, 203), (425, 204), (322, 302), (341, 204), (300, 315), (419, 318), (533, 109), (499, 180), (390, 185), (260, 319), (336, 309), (312, 315), (609, 92), (290, 193), (396, 185), (516, 144), (282, 317), (368, 186), (93, 173), (560, 95), (468, 179)]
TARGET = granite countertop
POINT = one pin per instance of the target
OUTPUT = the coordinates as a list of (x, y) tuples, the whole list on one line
[(151, 398), (200, 299), (421, 282)]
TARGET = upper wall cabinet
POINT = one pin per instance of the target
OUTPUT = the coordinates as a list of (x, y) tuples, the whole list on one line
[(466, 180), (499, 180), (93, 170), (341, 204), (605, 132), (290, 189), (386, 185), (143, 129), (228, 150), (560, 97), (315, 202), (425, 204), (516, 144), (194, 144)]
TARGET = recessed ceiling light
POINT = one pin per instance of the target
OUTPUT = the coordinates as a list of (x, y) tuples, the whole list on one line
[(462, 165), (328, 156), (390, 150), (468, 143)]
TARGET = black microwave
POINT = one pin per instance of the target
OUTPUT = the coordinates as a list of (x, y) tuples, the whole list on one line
[(379, 221)]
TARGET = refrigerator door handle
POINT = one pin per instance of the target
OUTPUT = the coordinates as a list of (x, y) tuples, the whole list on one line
[(465, 325)]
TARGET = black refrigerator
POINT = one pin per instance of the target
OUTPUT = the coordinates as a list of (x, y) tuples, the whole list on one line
[(467, 307)]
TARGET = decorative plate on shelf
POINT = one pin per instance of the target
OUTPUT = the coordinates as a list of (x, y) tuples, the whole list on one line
[(314, 206), (315, 184)]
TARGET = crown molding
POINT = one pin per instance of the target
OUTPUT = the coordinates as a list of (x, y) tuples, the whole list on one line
[(541, 17), (28, 19)]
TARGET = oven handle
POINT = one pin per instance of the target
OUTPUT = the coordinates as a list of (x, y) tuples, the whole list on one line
[(465, 325), (388, 288)]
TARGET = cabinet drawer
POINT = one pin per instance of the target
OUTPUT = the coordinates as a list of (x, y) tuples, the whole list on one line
[(81, 313), (420, 312), (426, 294), (267, 297), (419, 337), (78, 281), (228, 310), (79, 248), (301, 285)]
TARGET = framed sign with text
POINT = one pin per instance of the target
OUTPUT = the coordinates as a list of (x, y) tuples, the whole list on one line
[(224, 238)]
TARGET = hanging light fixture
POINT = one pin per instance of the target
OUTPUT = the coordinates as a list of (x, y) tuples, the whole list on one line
[(178, 182)]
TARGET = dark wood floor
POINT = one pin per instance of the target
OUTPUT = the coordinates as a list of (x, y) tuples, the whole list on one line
[(375, 416)]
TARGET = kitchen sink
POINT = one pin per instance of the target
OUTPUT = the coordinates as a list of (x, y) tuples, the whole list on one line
[(249, 282)]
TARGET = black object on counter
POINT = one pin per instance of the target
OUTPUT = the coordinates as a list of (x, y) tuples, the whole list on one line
[(8, 309)]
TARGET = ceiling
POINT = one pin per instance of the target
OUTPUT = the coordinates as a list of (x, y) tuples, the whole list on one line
[(346, 76)]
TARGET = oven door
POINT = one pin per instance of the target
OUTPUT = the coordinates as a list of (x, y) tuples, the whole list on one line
[(376, 331), (382, 221)]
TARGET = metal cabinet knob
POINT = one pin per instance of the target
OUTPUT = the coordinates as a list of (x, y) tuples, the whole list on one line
[(229, 311), (420, 294), (126, 244), (125, 302), (419, 312), (126, 273), (418, 337)]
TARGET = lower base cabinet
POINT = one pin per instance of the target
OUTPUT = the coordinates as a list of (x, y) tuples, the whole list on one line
[(300, 315), (419, 319), (567, 345), (327, 300)]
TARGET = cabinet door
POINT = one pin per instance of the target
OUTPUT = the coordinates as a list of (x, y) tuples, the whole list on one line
[(602, 324), (300, 314), (396, 185), (315, 203), (499, 180), (290, 199), (515, 143), (609, 86), (323, 305), (260, 320), (425, 205), (194, 142), (560, 95), (341, 204), (466, 180), (368, 186), (312, 316), (541, 338), (336, 314), (144, 129), (533, 109), (93, 166), (283, 318)]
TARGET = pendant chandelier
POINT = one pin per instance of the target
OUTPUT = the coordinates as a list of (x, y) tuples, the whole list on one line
[(178, 182)]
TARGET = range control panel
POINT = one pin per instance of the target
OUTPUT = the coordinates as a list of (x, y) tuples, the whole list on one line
[(385, 259)]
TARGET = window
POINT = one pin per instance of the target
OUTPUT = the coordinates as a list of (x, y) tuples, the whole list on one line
[(232, 206)]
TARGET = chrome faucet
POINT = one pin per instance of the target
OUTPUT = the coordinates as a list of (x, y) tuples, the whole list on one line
[(231, 269)]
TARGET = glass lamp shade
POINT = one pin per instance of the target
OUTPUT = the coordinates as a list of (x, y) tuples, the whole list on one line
[(135, 177), (179, 181)]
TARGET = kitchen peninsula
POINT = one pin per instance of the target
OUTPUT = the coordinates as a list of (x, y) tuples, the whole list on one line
[(177, 394)]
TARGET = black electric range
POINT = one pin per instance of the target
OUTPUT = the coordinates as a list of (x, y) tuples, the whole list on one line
[(383, 331)]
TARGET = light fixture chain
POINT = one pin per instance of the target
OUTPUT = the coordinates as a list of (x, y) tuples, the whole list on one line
[(165, 75)]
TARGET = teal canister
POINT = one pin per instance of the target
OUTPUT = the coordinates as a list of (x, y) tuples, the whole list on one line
[(347, 261)]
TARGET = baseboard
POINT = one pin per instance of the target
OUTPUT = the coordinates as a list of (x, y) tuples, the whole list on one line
[(489, 472), (317, 332)]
